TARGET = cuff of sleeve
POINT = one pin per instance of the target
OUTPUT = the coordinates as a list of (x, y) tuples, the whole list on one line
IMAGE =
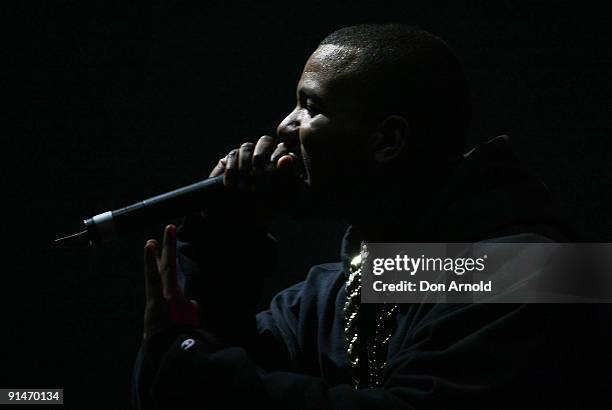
[(177, 375), (192, 376), (156, 347)]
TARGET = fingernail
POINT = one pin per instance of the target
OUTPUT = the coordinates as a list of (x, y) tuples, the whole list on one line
[(171, 230)]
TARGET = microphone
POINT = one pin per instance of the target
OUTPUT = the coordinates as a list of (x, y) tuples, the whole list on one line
[(107, 226)]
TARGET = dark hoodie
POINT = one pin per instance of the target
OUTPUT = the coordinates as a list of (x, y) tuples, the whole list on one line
[(441, 356)]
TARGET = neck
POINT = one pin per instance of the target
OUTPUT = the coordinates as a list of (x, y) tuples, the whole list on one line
[(399, 209)]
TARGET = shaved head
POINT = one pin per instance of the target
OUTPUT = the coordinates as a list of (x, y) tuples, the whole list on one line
[(400, 69)]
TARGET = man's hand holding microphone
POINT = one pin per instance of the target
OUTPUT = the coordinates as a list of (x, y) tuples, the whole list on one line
[(262, 180)]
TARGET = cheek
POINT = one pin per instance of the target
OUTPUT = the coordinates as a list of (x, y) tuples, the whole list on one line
[(321, 137), (329, 151), (315, 131)]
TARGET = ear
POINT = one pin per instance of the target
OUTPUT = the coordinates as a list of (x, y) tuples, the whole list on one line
[(390, 139)]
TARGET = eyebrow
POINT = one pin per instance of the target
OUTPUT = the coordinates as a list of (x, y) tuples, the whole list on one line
[(306, 92)]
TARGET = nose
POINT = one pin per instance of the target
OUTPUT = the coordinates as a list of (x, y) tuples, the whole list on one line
[(288, 129)]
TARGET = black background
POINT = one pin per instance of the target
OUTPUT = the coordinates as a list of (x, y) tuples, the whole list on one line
[(125, 102)]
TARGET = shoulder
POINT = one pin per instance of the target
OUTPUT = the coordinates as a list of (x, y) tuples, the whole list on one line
[(320, 282)]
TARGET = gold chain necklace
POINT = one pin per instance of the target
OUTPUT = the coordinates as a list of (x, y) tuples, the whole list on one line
[(366, 353)]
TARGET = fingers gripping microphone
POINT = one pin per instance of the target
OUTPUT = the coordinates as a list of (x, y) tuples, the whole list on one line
[(106, 227)]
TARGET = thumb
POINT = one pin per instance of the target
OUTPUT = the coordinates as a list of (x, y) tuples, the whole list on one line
[(286, 162), (288, 165)]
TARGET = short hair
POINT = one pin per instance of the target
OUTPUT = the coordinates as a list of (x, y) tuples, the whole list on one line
[(415, 74)]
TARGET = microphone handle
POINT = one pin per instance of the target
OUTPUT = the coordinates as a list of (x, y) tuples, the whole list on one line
[(107, 226)]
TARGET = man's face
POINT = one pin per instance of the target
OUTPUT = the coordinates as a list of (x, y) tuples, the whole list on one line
[(326, 127)]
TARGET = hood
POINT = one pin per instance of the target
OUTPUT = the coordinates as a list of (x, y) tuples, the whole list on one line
[(493, 194), (490, 194)]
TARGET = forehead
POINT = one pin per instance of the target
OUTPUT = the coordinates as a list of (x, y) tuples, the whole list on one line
[(328, 65), (332, 58)]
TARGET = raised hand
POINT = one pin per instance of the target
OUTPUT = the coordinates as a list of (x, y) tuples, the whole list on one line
[(166, 305)]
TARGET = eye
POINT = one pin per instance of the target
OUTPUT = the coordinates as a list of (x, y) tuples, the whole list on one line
[(311, 107)]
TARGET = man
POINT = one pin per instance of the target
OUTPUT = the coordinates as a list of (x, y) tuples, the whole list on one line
[(376, 137)]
